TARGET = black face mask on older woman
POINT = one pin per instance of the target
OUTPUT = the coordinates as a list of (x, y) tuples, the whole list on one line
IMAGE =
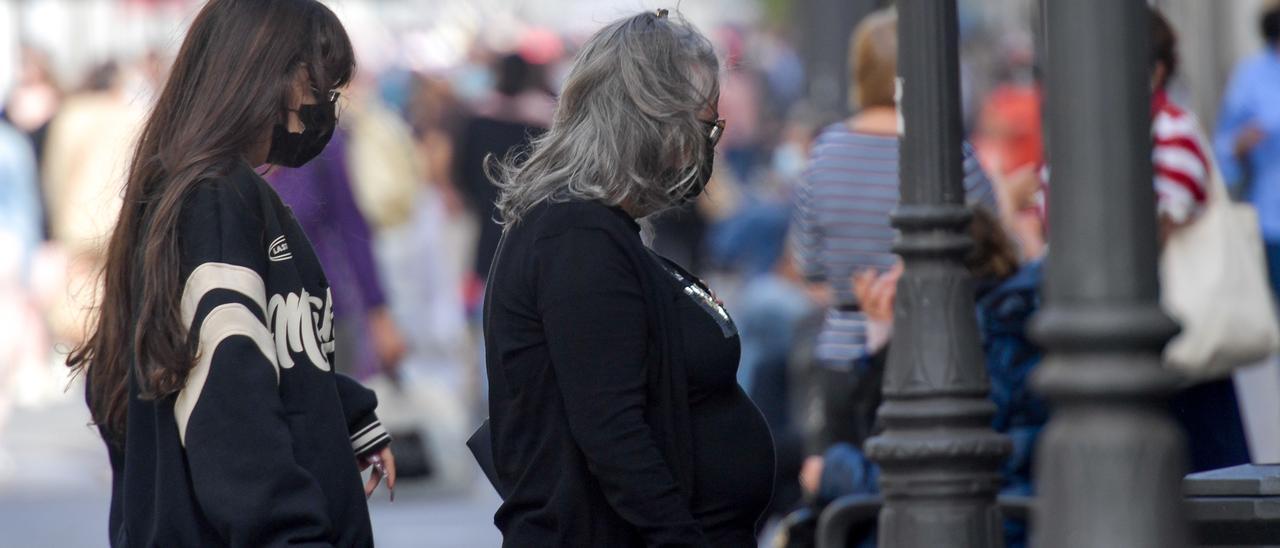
[(290, 149), (703, 175)]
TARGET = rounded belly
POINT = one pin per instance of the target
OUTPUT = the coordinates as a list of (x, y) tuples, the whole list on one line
[(733, 463)]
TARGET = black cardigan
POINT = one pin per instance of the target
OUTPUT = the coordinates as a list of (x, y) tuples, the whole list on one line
[(588, 403)]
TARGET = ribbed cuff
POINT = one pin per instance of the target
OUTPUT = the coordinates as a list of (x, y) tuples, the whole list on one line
[(371, 437)]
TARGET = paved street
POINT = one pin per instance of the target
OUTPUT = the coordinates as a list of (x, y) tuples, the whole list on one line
[(54, 491)]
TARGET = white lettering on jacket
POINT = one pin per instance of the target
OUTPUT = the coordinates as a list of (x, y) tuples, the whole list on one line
[(302, 323), (298, 323)]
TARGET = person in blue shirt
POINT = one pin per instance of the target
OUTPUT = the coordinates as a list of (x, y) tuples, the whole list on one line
[(19, 198), (1247, 139)]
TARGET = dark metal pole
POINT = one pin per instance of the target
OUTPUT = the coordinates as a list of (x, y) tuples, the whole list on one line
[(1110, 462), (939, 457)]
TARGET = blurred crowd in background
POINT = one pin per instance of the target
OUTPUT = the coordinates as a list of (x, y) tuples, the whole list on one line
[(400, 206)]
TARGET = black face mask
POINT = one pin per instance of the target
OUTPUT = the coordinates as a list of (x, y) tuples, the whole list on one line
[(703, 176), (296, 149)]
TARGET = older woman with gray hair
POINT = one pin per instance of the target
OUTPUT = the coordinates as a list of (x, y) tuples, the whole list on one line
[(615, 419)]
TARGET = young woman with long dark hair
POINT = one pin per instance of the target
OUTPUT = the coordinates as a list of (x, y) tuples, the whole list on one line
[(209, 370)]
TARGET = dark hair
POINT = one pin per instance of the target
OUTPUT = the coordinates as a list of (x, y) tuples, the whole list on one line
[(1164, 45), (1270, 24), (993, 256), (230, 83)]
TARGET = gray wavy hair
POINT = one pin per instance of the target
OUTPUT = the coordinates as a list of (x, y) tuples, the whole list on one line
[(626, 131)]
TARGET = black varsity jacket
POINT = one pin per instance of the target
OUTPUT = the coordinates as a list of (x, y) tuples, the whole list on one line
[(260, 447)]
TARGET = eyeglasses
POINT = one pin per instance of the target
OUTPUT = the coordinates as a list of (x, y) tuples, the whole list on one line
[(330, 96), (716, 130), (333, 96)]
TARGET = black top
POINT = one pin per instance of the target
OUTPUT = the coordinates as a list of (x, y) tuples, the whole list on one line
[(482, 138), (259, 448), (589, 406), (733, 460)]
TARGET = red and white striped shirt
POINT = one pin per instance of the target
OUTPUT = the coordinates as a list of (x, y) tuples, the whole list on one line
[(1181, 166)]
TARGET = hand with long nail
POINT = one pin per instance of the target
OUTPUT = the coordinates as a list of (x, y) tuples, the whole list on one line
[(384, 466)]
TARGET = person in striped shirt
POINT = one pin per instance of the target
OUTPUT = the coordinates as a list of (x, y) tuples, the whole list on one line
[(841, 228), (1180, 163), (1208, 411), (843, 201)]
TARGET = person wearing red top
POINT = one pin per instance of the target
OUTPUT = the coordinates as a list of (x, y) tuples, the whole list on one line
[(1208, 411), (1180, 162)]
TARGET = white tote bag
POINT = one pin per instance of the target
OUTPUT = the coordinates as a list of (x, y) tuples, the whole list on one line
[(1213, 276)]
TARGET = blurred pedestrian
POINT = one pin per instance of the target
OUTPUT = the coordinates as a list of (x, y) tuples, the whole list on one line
[(86, 164), (31, 107), (1247, 140), (1010, 143), (397, 186), (741, 101), (19, 204), (845, 196), (209, 366), (433, 252), (23, 341), (1180, 163), (436, 115), (615, 418), (1208, 410), (322, 198), (1007, 295), (517, 111), (381, 158)]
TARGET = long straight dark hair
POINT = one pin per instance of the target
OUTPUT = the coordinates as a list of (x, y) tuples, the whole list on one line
[(230, 83)]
